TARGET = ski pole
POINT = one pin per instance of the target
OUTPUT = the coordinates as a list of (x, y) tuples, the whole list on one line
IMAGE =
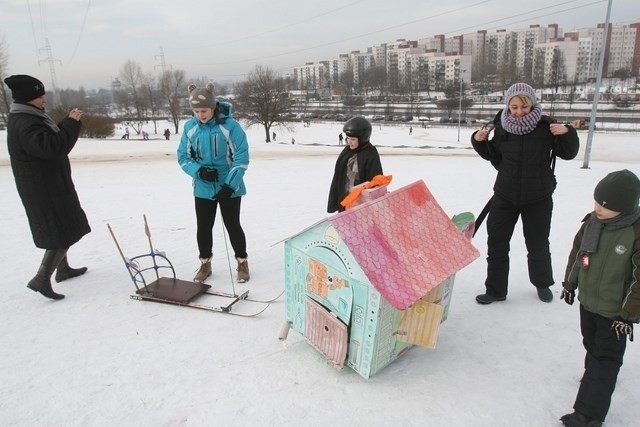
[(226, 246)]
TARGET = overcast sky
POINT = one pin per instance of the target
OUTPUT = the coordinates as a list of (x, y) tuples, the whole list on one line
[(222, 41)]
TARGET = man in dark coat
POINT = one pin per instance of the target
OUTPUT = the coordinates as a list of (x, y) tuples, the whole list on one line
[(39, 150)]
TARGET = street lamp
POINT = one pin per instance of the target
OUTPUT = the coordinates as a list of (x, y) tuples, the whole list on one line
[(460, 105)]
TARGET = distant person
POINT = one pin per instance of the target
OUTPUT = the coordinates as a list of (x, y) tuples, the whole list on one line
[(39, 149), (523, 150), (274, 136), (167, 134), (126, 134), (410, 130), (293, 140), (340, 138), (145, 135), (214, 152), (358, 162), (604, 267)]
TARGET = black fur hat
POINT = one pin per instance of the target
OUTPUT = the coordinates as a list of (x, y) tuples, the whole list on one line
[(24, 88)]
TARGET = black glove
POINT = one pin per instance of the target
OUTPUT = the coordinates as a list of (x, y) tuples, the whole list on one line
[(568, 296), (224, 193), (621, 328), (208, 174)]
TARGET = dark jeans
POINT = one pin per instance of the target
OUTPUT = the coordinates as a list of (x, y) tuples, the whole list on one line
[(536, 225), (206, 216), (601, 364)]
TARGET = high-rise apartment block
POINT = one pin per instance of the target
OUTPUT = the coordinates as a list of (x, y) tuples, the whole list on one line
[(541, 55)]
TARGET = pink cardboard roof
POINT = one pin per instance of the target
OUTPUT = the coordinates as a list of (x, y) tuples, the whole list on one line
[(405, 243)]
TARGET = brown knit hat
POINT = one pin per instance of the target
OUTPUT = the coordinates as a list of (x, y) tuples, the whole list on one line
[(24, 88), (201, 97), (619, 191)]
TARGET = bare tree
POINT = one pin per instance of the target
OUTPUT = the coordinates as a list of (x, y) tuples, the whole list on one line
[(132, 79), (4, 97), (263, 99), (174, 91), (152, 98)]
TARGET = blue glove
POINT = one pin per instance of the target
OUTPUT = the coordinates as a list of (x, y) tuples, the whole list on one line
[(622, 328), (224, 193), (208, 174)]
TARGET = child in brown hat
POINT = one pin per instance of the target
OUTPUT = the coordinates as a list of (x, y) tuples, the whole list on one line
[(603, 266)]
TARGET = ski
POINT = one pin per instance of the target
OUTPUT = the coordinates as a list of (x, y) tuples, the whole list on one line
[(218, 309), (243, 296)]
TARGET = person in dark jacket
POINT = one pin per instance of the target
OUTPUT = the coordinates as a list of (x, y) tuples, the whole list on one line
[(358, 162), (523, 149), (604, 266), (38, 149)]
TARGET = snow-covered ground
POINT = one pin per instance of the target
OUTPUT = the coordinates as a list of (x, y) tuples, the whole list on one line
[(98, 358)]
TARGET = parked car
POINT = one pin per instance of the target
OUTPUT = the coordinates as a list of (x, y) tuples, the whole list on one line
[(581, 124), (444, 119)]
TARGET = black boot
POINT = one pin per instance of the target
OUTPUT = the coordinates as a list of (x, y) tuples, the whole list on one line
[(64, 272), (42, 281)]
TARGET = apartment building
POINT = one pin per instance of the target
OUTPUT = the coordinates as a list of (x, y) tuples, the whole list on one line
[(539, 54)]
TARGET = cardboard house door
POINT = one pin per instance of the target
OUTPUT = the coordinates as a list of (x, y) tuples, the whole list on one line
[(326, 333)]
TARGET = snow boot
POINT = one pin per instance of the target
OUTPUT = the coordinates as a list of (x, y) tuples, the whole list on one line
[(576, 419), (42, 280), (485, 299), (545, 294), (243, 270), (204, 271), (64, 272)]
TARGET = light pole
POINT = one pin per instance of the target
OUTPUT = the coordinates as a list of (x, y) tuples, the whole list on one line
[(460, 105), (596, 94)]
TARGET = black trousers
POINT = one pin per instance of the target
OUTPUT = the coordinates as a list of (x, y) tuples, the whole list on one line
[(206, 216), (601, 364), (536, 226)]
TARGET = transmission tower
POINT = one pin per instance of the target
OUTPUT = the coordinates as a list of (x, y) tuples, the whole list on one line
[(163, 64), (52, 69)]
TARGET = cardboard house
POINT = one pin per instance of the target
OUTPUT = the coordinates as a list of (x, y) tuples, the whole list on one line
[(365, 285)]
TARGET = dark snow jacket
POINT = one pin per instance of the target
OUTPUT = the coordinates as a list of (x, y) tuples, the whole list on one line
[(43, 178), (610, 286), (368, 166), (524, 161)]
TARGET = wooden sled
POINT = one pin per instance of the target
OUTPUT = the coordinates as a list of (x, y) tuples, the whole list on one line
[(171, 290)]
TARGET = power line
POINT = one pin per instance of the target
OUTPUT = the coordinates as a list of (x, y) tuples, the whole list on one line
[(84, 20), (351, 38), (273, 30), (33, 30), (483, 25)]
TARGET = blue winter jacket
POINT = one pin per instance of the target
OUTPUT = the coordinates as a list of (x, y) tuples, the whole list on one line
[(221, 144)]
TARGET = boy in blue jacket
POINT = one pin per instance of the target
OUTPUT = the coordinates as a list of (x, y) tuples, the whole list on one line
[(214, 152), (603, 266)]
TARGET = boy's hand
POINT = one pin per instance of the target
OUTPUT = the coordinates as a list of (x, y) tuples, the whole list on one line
[(568, 296), (621, 328)]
